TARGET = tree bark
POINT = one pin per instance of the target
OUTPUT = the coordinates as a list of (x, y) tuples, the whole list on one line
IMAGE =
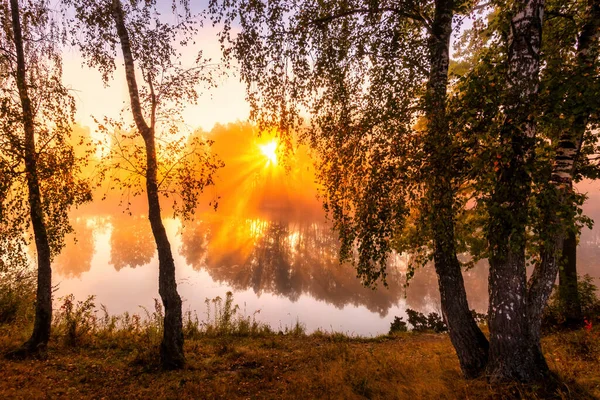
[(43, 307), (563, 169), (587, 55), (567, 287), (171, 348), (513, 355), (469, 342)]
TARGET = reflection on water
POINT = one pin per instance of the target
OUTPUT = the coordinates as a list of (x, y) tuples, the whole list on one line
[(288, 269), (131, 241), (267, 243), (76, 257), (282, 258)]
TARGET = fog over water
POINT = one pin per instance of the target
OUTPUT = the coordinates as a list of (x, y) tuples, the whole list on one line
[(268, 242)]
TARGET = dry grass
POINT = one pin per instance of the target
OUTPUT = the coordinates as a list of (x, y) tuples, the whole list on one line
[(406, 366)]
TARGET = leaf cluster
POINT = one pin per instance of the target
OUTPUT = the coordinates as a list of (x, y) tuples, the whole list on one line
[(185, 167), (357, 69), (58, 167)]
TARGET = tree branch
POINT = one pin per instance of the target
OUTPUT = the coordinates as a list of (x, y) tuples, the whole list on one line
[(554, 13), (329, 18)]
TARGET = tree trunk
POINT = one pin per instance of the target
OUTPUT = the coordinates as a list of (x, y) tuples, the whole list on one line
[(469, 342), (513, 353), (43, 307), (587, 54), (555, 224), (567, 287), (563, 169), (171, 348)]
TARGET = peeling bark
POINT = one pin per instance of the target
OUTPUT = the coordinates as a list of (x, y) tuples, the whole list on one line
[(171, 348), (566, 155), (43, 307), (568, 149), (512, 354), (469, 342)]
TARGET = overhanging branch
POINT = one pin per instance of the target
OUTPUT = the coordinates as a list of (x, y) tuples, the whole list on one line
[(411, 15)]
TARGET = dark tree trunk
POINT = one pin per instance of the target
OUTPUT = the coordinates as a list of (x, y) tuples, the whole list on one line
[(568, 153), (514, 355), (43, 306), (567, 288), (563, 169), (469, 342), (171, 348)]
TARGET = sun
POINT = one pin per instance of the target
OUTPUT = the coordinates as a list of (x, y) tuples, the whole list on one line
[(269, 150)]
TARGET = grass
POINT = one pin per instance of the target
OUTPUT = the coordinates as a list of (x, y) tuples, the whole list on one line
[(409, 365), (231, 355)]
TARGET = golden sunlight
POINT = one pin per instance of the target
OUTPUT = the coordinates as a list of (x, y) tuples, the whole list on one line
[(269, 150)]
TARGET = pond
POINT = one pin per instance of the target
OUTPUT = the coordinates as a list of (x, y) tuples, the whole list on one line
[(269, 244)]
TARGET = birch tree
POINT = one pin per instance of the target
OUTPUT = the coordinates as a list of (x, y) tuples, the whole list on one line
[(514, 354), (525, 144), (148, 47), (357, 70), (39, 172), (570, 101)]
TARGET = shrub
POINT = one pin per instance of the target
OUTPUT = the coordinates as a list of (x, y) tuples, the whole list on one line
[(153, 325), (191, 325), (432, 322), (224, 319), (75, 320), (588, 296), (17, 296), (298, 329), (398, 325)]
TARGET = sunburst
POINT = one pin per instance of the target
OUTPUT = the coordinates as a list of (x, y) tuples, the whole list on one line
[(269, 150)]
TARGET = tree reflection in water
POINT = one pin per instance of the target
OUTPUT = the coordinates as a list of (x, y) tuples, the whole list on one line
[(285, 258), (281, 257), (76, 256), (131, 241)]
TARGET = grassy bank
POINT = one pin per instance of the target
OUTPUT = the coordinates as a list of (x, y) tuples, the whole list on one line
[(95, 355), (293, 366)]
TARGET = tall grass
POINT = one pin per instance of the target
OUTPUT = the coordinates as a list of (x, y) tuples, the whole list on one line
[(82, 323), (17, 297), (223, 318)]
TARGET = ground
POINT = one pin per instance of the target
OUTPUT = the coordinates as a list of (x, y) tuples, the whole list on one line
[(274, 366)]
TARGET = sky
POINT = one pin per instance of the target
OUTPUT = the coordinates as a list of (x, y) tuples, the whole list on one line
[(223, 104)]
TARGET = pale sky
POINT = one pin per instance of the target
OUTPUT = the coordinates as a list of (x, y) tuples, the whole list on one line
[(223, 104), (218, 105)]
